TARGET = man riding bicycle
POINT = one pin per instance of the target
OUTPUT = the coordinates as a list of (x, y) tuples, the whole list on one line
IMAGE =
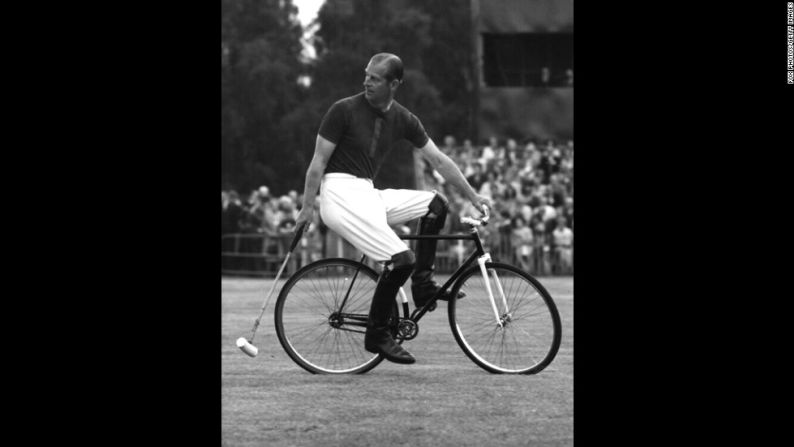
[(354, 137)]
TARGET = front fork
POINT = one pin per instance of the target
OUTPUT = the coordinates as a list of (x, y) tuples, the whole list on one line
[(499, 319)]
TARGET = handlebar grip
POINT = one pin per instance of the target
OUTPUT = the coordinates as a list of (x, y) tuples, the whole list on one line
[(472, 221), (297, 237)]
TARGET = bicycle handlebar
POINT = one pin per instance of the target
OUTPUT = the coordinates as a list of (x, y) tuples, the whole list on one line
[(474, 221)]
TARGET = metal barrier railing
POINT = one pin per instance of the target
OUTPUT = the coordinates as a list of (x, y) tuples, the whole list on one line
[(253, 253), (259, 254)]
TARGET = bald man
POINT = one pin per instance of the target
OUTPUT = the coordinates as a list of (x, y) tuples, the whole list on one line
[(355, 136)]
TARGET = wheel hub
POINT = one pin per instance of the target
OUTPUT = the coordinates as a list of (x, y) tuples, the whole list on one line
[(335, 320)]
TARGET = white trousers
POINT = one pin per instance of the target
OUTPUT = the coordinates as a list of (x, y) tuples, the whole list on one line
[(362, 215)]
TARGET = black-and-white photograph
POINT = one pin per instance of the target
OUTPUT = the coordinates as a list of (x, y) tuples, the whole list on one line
[(397, 222)]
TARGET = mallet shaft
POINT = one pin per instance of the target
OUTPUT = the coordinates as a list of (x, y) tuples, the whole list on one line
[(292, 246)]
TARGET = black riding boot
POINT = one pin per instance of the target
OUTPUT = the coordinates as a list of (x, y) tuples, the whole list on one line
[(379, 336), (423, 288)]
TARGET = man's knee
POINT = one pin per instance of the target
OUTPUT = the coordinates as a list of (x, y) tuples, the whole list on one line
[(400, 268), (403, 260), (436, 215), (438, 207)]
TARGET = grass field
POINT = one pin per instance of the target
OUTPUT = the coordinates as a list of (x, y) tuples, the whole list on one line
[(443, 399)]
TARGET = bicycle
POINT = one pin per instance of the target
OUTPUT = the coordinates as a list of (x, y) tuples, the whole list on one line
[(507, 323)]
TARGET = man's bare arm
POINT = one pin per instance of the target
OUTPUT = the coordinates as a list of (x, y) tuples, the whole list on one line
[(449, 170), (322, 153)]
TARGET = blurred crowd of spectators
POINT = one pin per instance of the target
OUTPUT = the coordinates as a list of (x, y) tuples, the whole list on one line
[(531, 185), (260, 212)]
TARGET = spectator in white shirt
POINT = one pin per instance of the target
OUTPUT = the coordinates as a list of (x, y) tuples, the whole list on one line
[(563, 244)]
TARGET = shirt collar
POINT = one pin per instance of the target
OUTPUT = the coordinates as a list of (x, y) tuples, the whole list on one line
[(377, 111)]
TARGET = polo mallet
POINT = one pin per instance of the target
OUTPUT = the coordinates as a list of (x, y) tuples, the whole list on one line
[(247, 345)]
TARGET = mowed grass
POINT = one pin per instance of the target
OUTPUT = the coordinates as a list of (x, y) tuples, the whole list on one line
[(443, 399)]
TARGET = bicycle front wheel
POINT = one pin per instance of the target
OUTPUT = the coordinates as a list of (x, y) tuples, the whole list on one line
[(518, 332), (321, 316)]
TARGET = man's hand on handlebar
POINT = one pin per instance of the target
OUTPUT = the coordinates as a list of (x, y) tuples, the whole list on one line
[(479, 201)]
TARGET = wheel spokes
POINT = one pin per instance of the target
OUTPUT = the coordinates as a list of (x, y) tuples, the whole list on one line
[(316, 330), (528, 333)]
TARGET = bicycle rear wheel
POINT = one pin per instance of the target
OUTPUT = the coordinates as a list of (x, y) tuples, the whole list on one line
[(530, 334), (312, 326)]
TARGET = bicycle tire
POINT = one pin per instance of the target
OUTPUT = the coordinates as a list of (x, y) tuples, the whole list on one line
[(304, 308), (532, 330)]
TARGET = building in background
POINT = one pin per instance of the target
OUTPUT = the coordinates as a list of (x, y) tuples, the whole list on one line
[(523, 65)]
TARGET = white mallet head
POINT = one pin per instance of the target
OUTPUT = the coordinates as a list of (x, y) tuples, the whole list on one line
[(246, 347)]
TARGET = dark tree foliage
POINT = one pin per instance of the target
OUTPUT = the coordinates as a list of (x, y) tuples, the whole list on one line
[(446, 62), (260, 49)]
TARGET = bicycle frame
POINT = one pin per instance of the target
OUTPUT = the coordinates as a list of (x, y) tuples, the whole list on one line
[(479, 256), (521, 338), (479, 251)]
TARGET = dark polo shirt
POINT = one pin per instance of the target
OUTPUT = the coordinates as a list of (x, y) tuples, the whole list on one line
[(365, 135)]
